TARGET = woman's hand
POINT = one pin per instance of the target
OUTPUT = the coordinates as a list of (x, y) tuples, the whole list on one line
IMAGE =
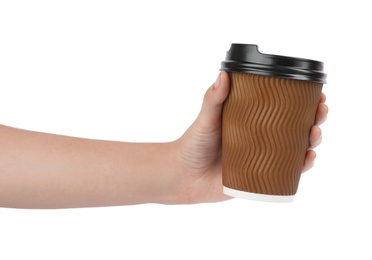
[(200, 147)]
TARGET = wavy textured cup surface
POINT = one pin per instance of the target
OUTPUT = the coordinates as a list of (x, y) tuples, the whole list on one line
[(265, 133)]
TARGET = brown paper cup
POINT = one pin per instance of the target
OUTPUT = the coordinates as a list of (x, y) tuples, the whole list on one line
[(266, 124)]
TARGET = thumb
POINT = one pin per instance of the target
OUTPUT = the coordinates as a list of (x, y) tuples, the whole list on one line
[(211, 110)]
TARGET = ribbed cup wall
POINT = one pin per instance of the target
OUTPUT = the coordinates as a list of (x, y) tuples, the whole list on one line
[(265, 132)]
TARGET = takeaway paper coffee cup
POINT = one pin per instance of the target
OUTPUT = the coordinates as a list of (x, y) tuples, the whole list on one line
[(266, 122)]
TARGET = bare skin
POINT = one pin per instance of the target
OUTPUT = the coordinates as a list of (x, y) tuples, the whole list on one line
[(39, 170)]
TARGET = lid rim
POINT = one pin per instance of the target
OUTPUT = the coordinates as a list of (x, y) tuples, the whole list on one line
[(274, 71), (284, 76)]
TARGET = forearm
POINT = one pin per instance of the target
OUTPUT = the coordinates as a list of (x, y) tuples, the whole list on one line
[(39, 170)]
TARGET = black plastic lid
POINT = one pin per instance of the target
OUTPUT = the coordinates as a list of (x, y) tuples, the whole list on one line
[(246, 58)]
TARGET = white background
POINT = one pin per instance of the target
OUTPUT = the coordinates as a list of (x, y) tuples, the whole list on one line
[(137, 71)]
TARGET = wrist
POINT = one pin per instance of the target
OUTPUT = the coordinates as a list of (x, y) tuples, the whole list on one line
[(176, 175), (161, 177)]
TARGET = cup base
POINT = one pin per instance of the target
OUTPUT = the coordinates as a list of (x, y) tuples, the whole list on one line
[(256, 196)]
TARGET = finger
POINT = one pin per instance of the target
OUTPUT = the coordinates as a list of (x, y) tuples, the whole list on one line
[(309, 160), (214, 98), (315, 137), (323, 98), (321, 114), (219, 90)]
